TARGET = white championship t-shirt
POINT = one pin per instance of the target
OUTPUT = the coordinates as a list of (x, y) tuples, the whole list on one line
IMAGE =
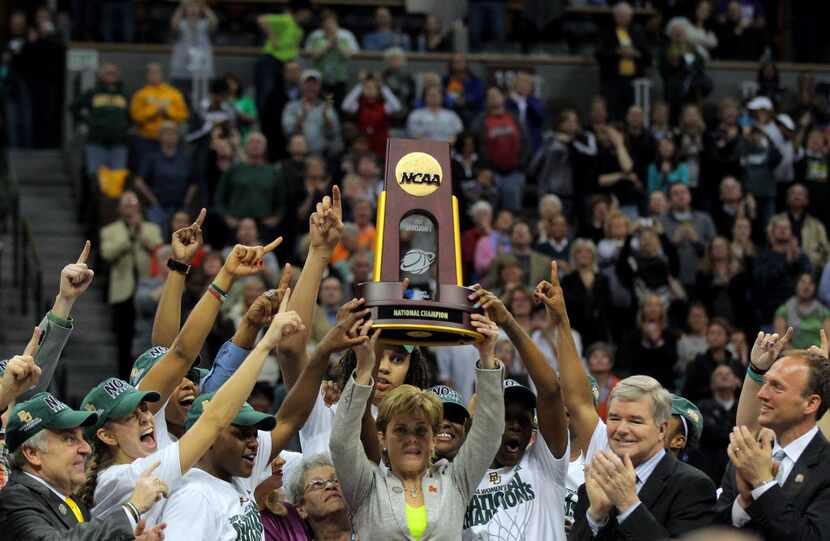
[(206, 508), (576, 469), (115, 484), (520, 503), (316, 432)]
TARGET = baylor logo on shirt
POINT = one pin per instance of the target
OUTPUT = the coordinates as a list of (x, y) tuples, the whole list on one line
[(247, 524), (486, 503)]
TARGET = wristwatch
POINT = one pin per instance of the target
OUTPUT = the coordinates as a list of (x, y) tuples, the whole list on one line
[(178, 266)]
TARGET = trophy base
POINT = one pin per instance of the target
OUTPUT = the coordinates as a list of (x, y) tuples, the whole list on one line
[(424, 323)]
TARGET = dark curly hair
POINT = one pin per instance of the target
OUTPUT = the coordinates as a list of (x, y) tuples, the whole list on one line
[(418, 374)]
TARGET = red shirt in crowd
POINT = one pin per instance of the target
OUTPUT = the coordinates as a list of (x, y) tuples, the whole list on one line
[(502, 141)]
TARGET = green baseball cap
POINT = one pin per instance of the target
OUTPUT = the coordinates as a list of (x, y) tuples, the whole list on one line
[(145, 362), (148, 360), (113, 398), (247, 415), (514, 389), (43, 411), (690, 413), (449, 397)]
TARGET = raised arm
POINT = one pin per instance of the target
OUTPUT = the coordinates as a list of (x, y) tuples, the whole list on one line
[(553, 425), (233, 352), (354, 469), (20, 374), (298, 404), (765, 352), (325, 229), (576, 388), (55, 328), (166, 375), (233, 393), (484, 439), (186, 242)]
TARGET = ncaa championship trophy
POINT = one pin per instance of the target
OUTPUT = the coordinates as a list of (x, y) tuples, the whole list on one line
[(418, 239)]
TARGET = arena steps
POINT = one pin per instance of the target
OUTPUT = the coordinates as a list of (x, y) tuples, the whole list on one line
[(47, 201)]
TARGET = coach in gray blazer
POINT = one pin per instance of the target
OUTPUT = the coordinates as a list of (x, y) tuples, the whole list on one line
[(387, 503)]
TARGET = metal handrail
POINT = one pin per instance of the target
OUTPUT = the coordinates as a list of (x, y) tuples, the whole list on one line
[(27, 270)]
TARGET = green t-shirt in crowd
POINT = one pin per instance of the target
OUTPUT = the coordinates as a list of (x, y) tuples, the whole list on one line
[(283, 41), (250, 191), (807, 333)]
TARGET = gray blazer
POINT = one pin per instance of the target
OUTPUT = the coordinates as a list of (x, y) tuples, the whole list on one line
[(375, 495), (54, 335)]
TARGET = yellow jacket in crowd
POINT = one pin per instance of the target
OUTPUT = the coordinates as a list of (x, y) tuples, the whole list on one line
[(154, 104)]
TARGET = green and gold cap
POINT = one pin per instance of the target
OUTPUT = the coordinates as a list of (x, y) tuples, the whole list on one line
[(114, 398), (247, 415), (43, 411), (688, 412), (449, 397)]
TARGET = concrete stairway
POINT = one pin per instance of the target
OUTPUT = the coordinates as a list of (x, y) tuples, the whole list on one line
[(48, 203)]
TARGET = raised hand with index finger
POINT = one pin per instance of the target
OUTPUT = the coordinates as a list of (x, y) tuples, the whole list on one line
[(20, 375), (550, 294), (326, 223), (247, 260), (77, 277), (187, 240)]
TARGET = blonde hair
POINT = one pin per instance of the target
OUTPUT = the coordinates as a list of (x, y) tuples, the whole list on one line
[(410, 400), (615, 215), (584, 244)]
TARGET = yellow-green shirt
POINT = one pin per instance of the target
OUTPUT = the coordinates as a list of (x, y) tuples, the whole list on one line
[(416, 520), (283, 42)]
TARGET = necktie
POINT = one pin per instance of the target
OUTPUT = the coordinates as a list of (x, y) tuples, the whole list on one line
[(75, 509), (779, 456)]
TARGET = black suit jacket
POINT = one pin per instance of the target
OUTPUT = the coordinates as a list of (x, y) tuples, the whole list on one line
[(796, 511), (608, 58), (29, 511), (676, 499)]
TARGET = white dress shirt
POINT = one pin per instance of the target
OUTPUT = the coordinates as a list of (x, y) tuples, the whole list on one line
[(792, 452), (643, 472)]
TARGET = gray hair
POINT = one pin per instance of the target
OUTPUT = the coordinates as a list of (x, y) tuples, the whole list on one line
[(478, 206), (678, 21), (38, 441), (295, 487), (634, 388), (551, 197), (623, 7), (394, 52)]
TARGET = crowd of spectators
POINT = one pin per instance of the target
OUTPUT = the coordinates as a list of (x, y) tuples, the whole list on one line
[(698, 207), (677, 232)]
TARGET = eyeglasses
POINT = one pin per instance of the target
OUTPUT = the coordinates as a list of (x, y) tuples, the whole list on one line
[(321, 484)]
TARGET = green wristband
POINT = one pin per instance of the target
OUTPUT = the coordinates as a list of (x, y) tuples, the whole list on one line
[(219, 289), (754, 376)]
